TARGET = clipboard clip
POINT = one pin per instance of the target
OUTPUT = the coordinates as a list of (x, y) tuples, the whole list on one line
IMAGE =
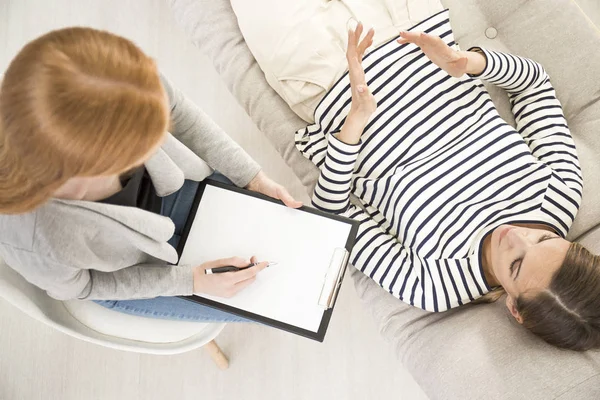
[(333, 278)]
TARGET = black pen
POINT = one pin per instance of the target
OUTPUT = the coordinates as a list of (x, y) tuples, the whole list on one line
[(231, 268)]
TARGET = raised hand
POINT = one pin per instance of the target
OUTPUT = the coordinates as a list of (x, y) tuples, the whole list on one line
[(363, 101), (452, 61)]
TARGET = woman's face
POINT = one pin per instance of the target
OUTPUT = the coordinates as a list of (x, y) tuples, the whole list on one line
[(525, 259)]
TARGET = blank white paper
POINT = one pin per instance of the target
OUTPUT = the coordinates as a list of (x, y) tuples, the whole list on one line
[(233, 224)]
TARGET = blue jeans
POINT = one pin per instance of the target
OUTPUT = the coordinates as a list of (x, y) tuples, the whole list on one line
[(176, 206)]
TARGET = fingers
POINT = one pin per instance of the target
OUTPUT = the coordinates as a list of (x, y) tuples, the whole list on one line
[(366, 42), (358, 32), (275, 190), (234, 261), (226, 284), (420, 39), (352, 42), (243, 275), (408, 37), (287, 198)]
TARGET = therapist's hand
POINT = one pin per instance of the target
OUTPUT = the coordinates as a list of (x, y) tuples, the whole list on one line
[(265, 185), (226, 284)]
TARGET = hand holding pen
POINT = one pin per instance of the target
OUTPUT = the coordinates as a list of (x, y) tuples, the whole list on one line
[(231, 268), (240, 274)]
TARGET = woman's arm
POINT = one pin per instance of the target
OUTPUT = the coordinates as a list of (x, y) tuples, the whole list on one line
[(135, 282), (538, 113), (332, 192), (64, 282), (204, 137), (147, 280), (431, 284)]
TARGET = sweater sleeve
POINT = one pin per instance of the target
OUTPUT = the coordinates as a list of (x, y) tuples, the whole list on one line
[(138, 282), (63, 282), (431, 284), (538, 113), (204, 137), (332, 192)]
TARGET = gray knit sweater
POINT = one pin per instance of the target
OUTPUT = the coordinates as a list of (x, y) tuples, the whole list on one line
[(88, 250)]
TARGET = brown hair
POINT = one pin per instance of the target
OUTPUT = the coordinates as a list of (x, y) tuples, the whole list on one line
[(567, 314), (75, 102)]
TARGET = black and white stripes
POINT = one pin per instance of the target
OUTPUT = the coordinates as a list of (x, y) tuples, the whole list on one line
[(438, 169)]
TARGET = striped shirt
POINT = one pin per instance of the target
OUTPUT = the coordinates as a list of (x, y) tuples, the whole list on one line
[(437, 169)]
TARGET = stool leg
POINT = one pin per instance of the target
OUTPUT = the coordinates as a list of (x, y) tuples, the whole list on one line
[(217, 355)]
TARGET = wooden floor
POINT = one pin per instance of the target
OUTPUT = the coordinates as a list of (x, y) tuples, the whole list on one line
[(36, 362)]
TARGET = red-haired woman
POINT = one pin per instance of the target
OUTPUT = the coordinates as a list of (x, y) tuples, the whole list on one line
[(94, 190)]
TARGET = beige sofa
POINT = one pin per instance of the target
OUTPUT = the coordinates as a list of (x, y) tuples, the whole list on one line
[(475, 352)]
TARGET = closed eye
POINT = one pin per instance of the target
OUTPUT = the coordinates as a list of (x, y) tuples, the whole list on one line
[(519, 261), (513, 265), (547, 236)]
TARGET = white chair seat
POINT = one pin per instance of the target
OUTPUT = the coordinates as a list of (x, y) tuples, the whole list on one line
[(132, 327), (93, 323)]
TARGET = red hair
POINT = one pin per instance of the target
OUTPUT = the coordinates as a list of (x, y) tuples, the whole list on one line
[(75, 102)]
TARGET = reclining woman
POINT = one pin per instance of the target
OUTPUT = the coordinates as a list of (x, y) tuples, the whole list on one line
[(94, 192), (455, 204)]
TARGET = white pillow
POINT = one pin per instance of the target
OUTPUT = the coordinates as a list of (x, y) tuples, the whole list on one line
[(301, 45)]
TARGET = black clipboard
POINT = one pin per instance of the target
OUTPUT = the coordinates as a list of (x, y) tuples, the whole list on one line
[(320, 334)]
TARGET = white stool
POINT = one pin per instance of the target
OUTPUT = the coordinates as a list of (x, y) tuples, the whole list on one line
[(93, 323)]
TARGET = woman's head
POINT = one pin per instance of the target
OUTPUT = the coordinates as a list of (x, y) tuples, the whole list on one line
[(552, 285), (75, 102), (525, 259)]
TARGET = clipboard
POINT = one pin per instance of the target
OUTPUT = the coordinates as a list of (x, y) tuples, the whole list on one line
[(327, 277)]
